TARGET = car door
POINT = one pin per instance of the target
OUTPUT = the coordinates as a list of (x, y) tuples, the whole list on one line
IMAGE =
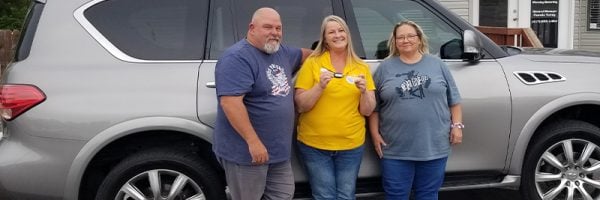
[(229, 23), (483, 86)]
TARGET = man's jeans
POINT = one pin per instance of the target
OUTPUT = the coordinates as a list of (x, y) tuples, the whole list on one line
[(332, 174), (425, 177)]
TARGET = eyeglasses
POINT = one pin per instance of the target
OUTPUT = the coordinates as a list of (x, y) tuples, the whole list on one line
[(409, 37)]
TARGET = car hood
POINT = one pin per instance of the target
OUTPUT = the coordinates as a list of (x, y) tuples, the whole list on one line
[(560, 55)]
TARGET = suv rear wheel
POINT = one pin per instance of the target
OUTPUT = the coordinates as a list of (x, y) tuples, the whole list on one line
[(564, 163), (162, 174)]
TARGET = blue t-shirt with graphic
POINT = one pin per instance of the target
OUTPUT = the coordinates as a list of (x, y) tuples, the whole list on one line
[(265, 80), (413, 101)]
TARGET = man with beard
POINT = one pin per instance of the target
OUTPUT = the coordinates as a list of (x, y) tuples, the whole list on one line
[(255, 117)]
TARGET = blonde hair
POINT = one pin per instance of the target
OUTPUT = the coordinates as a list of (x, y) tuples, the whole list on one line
[(423, 47), (322, 46)]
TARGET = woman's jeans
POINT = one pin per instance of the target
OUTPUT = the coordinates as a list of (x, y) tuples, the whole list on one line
[(424, 177), (332, 174)]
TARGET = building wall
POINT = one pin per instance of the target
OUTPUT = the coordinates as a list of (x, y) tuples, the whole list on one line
[(582, 38), (495, 13), (460, 7), (573, 18)]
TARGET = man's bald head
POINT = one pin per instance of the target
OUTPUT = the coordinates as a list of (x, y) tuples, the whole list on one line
[(265, 30), (264, 12)]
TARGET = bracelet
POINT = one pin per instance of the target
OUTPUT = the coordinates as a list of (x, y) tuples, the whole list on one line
[(457, 125)]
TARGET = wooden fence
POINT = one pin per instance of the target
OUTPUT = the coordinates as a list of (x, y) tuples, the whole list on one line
[(8, 43), (519, 37)]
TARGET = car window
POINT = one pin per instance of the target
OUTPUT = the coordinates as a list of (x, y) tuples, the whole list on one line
[(221, 29), (301, 19), (376, 19), (153, 30)]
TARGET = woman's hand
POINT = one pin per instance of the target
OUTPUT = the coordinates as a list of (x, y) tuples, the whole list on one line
[(360, 83), (325, 77), (378, 143), (455, 136)]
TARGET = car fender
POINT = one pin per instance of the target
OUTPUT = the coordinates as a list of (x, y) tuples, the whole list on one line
[(104, 138), (519, 147)]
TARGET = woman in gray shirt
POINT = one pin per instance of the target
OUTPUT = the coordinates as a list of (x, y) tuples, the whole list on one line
[(418, 116)]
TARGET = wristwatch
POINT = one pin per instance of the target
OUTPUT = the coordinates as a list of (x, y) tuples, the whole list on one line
[(457, 125)]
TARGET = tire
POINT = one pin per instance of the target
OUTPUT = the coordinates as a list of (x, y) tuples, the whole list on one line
[(563, 163), (170, 169)]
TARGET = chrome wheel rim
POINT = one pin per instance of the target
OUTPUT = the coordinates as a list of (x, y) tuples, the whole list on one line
[(160, 184), (569, 169)]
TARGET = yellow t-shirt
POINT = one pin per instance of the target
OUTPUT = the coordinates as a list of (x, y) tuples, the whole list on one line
[(334, 123)]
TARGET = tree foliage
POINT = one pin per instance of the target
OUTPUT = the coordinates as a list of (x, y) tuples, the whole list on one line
[(12, 13)]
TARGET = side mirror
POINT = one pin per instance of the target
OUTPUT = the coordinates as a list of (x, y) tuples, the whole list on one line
[(452, 49), (471, 46)]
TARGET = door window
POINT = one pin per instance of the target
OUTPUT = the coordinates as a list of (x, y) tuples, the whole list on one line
[(222, 32), (301, 19), (301, 22), (376, 19)]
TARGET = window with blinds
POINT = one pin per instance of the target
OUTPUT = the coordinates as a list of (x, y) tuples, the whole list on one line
[(593, 14)]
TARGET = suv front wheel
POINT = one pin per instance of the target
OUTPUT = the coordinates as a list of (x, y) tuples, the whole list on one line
[(162, 174), (563, 163)]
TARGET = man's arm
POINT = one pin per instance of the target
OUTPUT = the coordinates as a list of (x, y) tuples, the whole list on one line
[(305, 53), (237, 114)]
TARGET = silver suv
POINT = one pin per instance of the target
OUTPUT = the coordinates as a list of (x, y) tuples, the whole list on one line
[(115, 99)]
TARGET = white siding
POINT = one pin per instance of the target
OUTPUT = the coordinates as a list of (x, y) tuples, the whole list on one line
[(460, 7), (582, 38)]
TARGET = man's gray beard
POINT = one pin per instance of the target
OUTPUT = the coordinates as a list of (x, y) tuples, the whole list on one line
[(271, 48)]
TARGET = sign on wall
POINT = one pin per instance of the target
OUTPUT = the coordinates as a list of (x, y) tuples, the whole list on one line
[(544, 21)]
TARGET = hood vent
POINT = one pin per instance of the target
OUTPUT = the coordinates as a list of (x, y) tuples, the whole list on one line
[(538, 77)]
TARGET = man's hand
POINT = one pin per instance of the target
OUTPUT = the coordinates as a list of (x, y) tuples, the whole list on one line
[(258, 152)]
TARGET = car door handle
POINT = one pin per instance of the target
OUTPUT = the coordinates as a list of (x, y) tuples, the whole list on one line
[(211, 84)]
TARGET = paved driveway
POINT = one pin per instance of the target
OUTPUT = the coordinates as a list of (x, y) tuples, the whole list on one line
[(479, 194), (482, 194)]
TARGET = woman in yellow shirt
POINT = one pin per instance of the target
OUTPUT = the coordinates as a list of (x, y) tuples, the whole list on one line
[(334, 93)]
